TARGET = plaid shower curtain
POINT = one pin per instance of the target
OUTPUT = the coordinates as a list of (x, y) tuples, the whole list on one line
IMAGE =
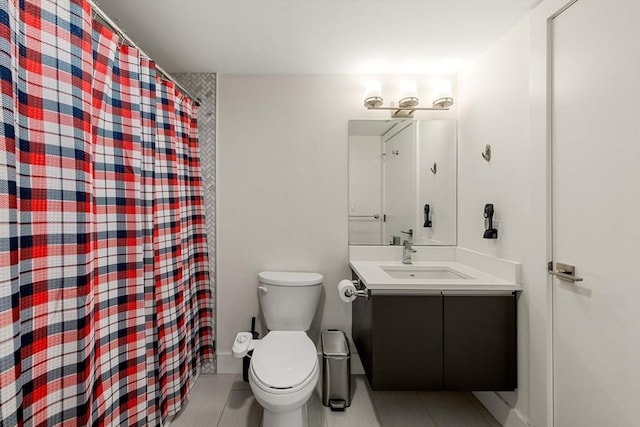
[(105, 301)]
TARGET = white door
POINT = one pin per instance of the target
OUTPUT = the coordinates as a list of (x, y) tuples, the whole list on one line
[(596, 213), (400, 182)]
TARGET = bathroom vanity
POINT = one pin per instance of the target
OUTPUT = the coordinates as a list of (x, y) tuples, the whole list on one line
[(436, 325), (448, 320)]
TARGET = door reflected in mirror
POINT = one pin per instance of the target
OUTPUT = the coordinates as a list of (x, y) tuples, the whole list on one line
[(402, 182)]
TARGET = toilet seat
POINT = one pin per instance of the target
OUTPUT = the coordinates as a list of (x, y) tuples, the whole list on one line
[(284, 361)]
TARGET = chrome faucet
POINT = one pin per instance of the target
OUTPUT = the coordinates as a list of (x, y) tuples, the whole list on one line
[(406, 252)]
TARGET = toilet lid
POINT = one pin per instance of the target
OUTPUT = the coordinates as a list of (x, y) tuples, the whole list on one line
[(284, 359), (288, 278)]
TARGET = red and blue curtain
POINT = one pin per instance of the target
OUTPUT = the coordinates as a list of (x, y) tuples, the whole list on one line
[(106, 308)]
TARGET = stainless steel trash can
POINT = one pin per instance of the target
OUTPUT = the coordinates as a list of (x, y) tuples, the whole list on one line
[(336, 370)]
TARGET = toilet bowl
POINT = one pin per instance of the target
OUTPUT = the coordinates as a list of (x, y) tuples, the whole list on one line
[(284, 372), (284, 367)]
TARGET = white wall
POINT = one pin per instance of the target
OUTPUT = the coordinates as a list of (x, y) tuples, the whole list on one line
[(437, 143), (282, 188), (493, 108)]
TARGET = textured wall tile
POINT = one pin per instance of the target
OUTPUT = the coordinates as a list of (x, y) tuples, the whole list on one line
[(203, 87)]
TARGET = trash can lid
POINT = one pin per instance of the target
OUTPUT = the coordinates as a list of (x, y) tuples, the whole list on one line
[(335, 344)]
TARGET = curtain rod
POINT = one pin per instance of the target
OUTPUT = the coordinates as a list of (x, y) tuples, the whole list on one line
[(120, 32)]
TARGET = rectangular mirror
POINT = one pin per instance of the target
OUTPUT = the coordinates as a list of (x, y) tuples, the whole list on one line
[(402, 182)]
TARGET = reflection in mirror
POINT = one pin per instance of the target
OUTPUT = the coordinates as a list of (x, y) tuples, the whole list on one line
[(402, 182)]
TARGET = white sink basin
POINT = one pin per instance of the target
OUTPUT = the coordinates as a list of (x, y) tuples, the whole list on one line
[(388, 275), (423, 272)]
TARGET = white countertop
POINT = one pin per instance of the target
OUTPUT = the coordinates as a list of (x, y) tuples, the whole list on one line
[(378, 281)]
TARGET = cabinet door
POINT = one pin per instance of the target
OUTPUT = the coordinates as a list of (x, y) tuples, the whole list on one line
[(361, 324), (480, 342), (407, 342)]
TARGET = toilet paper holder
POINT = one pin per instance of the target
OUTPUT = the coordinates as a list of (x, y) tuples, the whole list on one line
[(361, 293)]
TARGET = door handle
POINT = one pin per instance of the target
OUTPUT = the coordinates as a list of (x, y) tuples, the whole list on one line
[(564, 272)]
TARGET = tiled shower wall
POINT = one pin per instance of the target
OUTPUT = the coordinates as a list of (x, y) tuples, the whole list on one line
[(203, 87)]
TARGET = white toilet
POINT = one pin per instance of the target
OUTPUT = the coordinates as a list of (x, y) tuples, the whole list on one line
[(284, 367)]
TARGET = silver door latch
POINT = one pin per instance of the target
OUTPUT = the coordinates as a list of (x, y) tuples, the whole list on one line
[(564, 272)]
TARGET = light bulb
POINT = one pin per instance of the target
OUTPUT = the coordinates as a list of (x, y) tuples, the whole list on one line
[(408, 94), (373, 94), (441, 94)]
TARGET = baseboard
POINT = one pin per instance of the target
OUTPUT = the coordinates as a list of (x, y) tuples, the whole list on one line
[(227, 364), (505, 415), (356, 365)]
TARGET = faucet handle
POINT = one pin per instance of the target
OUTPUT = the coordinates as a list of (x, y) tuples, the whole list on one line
[(406, 252), (407, 245), (410, 232)]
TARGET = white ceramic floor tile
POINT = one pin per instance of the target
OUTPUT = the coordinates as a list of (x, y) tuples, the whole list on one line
[(361, 412), (485, 413), (202, 422), (188, 421), (239, 384), (242, 410), (206, 401), (227, 401), (452, 409), (401, 409), (317, 417)]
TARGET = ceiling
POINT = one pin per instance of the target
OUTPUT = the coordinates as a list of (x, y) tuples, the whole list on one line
[(315, 36)]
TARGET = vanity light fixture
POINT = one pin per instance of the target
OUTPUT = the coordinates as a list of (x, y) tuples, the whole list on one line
[(408, 103)]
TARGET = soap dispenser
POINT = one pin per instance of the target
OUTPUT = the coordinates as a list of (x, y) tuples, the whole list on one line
[(489, 231)]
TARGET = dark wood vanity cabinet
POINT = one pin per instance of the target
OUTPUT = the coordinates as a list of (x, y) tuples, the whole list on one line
[(399, 340), (480, 342), (437, 342)]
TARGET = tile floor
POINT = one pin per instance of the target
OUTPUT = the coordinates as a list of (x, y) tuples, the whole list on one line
[(227, 401)]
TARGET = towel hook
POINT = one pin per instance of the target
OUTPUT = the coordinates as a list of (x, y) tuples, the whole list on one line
[(487, 153)]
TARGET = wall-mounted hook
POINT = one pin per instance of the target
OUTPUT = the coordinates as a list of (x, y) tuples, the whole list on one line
[(487, 153), (396, 152), (434, 168)]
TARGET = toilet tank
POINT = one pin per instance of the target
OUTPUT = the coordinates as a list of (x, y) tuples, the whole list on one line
[(289, 300)]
